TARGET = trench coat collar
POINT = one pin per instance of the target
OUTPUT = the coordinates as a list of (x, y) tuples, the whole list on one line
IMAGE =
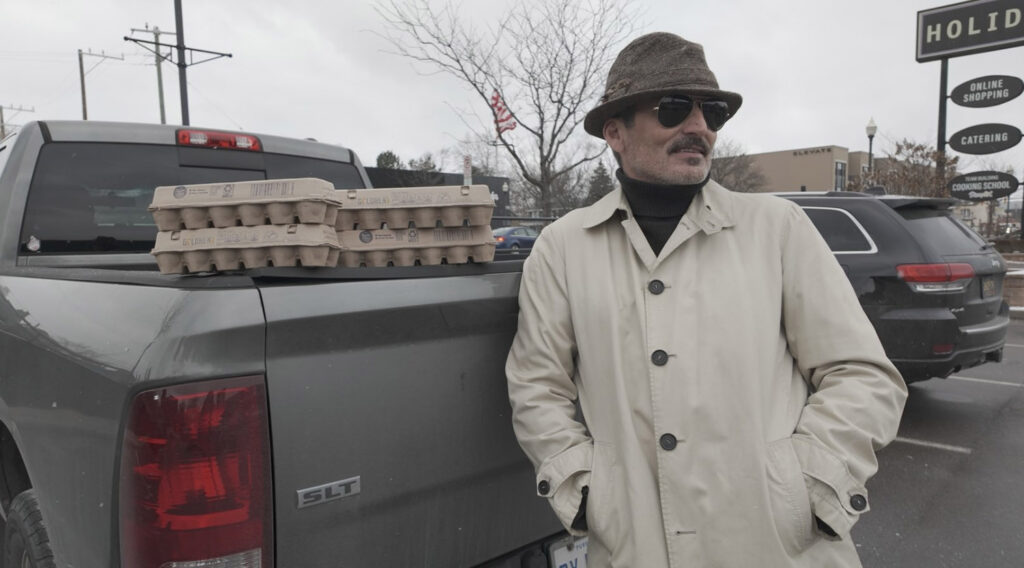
[(711, 209)]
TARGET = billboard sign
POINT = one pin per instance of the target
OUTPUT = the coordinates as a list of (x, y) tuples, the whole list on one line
[(969, 27), (985, 139), (982, 186), (987, 91)]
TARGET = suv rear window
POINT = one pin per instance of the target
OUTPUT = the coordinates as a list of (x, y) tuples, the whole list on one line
[(939, 228), (93, 197), (841, 230)]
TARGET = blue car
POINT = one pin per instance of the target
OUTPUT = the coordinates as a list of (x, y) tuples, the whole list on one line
[(515, 238)]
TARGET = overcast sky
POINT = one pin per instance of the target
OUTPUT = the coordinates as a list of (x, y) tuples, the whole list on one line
[(812, 73)]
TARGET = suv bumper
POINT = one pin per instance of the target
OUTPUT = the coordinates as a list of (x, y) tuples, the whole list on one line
[(912, 337)]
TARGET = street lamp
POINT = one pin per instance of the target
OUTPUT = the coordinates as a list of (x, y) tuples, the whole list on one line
[(870, 129)]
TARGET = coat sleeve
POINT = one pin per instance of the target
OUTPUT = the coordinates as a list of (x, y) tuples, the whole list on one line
[(856, 394), (540, 368)]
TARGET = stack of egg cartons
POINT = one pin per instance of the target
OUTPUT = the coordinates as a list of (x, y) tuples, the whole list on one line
[(252, 224), (415, 225)]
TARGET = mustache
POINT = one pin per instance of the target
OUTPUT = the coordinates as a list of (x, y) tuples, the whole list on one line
[(690, 142)]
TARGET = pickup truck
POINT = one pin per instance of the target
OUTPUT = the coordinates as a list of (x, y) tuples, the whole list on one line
[(288, 417)]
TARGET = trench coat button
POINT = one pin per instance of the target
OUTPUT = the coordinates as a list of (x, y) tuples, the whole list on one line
[(668, 442), (659, 357), (543, 487), (656, 287), (858, 502)]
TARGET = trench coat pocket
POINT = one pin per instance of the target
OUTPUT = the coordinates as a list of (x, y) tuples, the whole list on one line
[(788, 497), (837, 498), (603, 518), (561, 480)]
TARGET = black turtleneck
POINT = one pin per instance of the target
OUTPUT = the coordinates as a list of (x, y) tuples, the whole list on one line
[(656, 207)]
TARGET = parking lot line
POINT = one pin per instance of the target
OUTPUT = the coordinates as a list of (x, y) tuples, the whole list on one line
[(986, 381), (1017, 345), (934, 445)]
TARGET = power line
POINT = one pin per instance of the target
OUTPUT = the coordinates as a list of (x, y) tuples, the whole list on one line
[(81, 71), (17, 109), (159, 58), (214, 104), (180, 62)]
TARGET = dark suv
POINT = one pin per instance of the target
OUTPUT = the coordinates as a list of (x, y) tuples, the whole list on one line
[(930, 285)]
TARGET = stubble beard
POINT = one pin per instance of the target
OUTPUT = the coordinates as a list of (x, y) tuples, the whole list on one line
[(696, 176), (690, 177)]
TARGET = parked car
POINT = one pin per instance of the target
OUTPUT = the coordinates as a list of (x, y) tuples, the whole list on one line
[(515, 238), (930, 285)]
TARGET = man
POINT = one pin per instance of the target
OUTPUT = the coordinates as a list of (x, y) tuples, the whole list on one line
[(733, 393)]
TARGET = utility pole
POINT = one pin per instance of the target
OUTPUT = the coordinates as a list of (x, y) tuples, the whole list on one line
[(159, 59), (182, 65), (3, 125), (940, 154), (81, 74), (182, 81)]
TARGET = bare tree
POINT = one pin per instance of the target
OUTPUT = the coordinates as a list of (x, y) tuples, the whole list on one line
[(541, 68), (911, 170), (734, 169), (483, 156), (566, 192)]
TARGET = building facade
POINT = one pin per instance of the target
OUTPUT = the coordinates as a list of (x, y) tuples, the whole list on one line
[(819, 168)]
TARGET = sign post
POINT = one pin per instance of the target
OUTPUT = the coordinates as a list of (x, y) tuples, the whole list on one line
[(963, 29)]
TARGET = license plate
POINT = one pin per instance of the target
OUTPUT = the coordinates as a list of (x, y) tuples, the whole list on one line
[(988, 286), (568, 552)]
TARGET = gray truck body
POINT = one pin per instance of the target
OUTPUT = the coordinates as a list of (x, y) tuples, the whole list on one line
[(391, 375)]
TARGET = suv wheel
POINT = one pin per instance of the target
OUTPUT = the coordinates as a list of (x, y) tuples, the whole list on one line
[(26, 543)]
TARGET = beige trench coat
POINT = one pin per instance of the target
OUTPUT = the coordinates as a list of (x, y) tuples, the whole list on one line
[(731, 388)]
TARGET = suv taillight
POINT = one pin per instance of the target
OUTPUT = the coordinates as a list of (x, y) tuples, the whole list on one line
[(214, 139), (195, 486), (936, 278)]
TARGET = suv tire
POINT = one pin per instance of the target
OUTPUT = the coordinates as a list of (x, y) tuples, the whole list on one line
[(26, 542)]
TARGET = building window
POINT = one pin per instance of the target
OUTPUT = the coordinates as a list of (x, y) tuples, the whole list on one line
[(840, 176)]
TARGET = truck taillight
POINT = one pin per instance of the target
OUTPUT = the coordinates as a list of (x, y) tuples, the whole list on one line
[(195, 487), (936, 278), (213, 139)]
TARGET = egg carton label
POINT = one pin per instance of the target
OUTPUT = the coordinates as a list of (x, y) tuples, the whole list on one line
[(244, 237), (412, 256), (199, 195), (421, 207), (386, 239)]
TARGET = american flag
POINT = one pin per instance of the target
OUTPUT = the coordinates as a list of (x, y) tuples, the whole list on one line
[(503, 120)]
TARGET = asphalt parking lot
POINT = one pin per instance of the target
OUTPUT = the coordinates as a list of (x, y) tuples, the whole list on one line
[(950, 489)]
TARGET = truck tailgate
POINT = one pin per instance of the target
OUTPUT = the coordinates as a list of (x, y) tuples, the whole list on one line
[(388, 405)]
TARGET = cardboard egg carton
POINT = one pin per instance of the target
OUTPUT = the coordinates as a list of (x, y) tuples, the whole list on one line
[(234, 248), (422, 207), (411, 246), (247, 203)]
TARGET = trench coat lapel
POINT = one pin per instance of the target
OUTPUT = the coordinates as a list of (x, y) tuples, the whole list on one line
[(710, 212)]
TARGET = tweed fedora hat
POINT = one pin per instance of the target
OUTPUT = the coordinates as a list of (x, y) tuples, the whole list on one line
[(656, 64)]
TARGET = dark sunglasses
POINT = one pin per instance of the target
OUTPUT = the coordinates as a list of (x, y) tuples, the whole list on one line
[(673, 110)]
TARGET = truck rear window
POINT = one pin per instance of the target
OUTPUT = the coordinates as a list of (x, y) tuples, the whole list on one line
[(93, 197)]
